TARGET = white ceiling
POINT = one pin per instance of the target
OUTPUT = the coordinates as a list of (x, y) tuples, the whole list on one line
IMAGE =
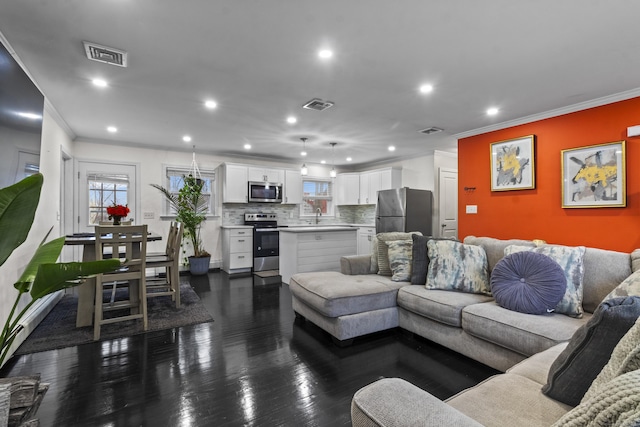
[(258, 60)]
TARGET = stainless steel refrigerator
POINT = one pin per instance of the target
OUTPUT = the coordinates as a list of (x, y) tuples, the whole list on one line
[(404, 209)]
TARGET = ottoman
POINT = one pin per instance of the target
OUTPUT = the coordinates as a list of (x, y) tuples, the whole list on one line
[(345, 306)]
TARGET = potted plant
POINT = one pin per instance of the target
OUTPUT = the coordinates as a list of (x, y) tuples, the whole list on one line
[(43, 275), (191, 208)]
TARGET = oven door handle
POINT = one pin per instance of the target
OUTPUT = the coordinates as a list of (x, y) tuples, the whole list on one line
[(263, 230)]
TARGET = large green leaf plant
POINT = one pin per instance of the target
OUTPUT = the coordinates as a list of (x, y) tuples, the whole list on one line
[(43, 275)]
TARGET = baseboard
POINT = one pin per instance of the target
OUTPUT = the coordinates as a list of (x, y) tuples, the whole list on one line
[(34, 316)]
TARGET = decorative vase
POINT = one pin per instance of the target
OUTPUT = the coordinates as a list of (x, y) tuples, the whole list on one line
[(199, 265), (116, 220)]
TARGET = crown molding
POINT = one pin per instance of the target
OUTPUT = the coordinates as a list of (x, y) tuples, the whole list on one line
[(609, 99)]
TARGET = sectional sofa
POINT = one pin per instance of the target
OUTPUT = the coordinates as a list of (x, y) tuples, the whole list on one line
[(357, 301)]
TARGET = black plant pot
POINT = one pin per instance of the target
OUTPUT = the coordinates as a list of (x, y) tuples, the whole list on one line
[(199, 265)]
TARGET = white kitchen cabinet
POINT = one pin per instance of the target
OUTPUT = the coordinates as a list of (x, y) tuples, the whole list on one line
[(237, 249), (260, 174), (366, 235), (303, 250), (380, 179), (292, 187), (235, 180), (347, 188)]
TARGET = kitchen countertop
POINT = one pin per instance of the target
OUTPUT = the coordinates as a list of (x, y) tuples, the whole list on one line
[(236, 226), (317, 228)]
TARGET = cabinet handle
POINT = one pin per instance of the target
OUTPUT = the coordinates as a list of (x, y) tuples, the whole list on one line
[(241, 232), (240, 256), (241, 241)]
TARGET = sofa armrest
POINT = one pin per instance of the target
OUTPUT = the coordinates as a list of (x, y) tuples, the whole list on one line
[(355, 264), (395, 402)]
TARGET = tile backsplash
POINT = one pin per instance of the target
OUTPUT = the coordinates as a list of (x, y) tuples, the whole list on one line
[(233, 214)]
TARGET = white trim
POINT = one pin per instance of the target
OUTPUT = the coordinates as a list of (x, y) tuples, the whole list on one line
[(609, 99)]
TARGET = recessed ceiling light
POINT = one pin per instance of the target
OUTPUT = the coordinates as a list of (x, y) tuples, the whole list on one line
[(349, 159), (323, 162), (247, 146), (186, 138), (112, 129), (426, 88), (325, 53), (391, 148), (99, 82), (292, 120), (210, 104), (492, 111)]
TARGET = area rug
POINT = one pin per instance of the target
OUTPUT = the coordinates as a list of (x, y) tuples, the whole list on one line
[(58, 329)]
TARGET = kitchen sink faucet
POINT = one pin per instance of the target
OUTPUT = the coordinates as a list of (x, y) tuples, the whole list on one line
[(318, 215)]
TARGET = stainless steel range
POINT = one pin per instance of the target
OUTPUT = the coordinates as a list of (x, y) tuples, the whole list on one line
[(266, 240)]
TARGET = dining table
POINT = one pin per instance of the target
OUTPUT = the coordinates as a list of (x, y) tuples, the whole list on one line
[(87, 289)]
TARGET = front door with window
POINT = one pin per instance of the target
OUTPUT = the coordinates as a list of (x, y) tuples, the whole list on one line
[(102, 185)]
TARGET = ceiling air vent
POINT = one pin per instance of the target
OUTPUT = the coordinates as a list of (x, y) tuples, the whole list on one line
[(431, 130), (318, 104), (105, 54)]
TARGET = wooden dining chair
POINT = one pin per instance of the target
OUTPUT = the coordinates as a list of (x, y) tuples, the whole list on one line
[(170, 261), (131, 243)]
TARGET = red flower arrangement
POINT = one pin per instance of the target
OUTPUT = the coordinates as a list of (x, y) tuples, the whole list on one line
[(117, 211)]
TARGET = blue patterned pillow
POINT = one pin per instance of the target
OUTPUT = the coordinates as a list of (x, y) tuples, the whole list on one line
[(400, 259), (455, 266), (571, 262), (528, 282)]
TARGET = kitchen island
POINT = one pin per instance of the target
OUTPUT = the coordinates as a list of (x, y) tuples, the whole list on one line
[(315, 248)]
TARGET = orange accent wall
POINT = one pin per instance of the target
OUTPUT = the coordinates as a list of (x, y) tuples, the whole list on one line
[(538, 213)]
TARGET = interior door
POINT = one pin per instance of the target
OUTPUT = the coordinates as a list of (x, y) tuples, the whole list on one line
[(100, 185), (448, 202)]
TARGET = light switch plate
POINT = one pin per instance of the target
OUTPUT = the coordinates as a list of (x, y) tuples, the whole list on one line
[(472, 209), (148, 215)]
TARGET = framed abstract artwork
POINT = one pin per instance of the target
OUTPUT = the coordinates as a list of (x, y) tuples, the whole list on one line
[(594, 176), (513, 164)]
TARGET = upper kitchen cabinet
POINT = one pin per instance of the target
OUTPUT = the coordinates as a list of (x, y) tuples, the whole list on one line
[(292, 187), (260, 174), (235, 180), (362, 188), (380, 179), (347, 188)]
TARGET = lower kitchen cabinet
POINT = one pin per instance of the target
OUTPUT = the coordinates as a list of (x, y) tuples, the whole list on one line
[(366, 235), (303, 250), (237, 249)]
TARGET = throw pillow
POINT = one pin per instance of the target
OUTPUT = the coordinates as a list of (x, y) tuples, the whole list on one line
[(383, 250), (400, 259), (374, 257), (420, 258), (616, 404), (635, 260), (589, 350), (571, 261), (624, 358), (528, 282), (455, 266), (629, 286)]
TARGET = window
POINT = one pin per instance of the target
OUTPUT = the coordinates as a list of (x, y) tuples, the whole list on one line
[(174, 176), (317, 193), (106, 190)]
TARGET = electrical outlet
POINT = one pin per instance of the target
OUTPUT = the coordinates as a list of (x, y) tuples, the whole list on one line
[(148, 215), (472, 209)]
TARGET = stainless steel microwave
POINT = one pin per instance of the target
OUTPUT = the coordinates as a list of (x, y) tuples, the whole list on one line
[(265, 192)]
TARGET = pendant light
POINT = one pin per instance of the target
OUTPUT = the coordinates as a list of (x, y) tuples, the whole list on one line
[(194, 170), (303, 170), (333, 174)]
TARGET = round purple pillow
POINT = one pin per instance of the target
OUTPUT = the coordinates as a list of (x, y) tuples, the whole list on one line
[(528, 282)]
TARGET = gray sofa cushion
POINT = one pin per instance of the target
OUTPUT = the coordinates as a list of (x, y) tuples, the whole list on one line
[(536, 367), (442, 306), (603, 271), (508, 400), (334, 294), (589, 350), (526, 334), (495, 247)]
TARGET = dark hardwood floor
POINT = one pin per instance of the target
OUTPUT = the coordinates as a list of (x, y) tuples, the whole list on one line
[(252, 366)]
